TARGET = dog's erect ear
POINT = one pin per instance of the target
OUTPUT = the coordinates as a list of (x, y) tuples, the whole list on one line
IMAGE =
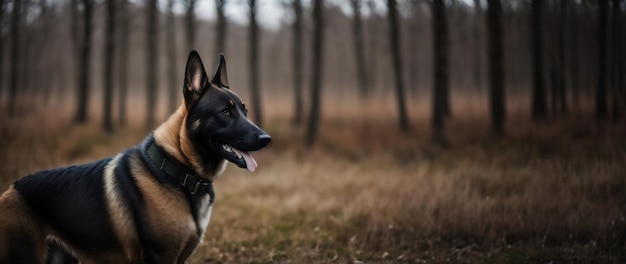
[(196, 80), (220, 79)]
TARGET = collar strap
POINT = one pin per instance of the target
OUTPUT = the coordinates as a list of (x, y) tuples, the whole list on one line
[(185, 177)]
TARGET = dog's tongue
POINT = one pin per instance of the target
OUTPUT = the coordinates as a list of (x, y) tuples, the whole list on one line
[(250, 162)]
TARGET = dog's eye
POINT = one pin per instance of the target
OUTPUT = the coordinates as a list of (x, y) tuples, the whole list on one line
[(226, 112)]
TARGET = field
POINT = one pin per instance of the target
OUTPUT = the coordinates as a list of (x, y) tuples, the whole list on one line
[(553, 192)]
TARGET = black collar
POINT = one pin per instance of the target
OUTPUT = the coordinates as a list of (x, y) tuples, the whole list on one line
[(186, 177)]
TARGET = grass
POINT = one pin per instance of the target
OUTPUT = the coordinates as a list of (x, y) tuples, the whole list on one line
[(368, 193)]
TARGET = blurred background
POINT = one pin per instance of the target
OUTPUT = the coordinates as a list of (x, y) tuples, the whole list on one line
[(403, 130)]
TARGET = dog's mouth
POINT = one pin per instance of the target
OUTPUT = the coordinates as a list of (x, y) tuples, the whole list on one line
[(243, 159)]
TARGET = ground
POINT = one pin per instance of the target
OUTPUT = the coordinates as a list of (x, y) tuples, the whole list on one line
[(553, 192)]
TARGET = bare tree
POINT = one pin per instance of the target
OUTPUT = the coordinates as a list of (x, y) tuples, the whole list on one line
[(394, 42), (254, 65), (172, 90), (124, 44), (84, 65), (359, 51), (2, 13), (601, 90), (539, 110), (109, 53), (440, 61), (496, 66), (374, 36), (151, 61), (220, 28), (297, 61), (561, 92), (616, 58), (16, 20), (316, 75), (190, 23), (478, 24)]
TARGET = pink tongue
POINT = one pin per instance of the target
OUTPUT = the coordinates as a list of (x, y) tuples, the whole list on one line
[(250, 162)]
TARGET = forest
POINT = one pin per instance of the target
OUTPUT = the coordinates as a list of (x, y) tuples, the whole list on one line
[(419, 131)]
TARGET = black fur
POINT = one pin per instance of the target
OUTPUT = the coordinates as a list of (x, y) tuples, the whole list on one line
[(82, 220)]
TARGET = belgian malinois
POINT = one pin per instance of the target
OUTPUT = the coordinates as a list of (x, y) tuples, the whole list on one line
[(148, 204)]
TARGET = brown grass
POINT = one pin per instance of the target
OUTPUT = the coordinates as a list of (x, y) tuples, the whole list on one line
[(367, 192)]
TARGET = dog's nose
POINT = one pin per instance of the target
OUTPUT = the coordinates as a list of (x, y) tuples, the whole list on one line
[(264, 139)]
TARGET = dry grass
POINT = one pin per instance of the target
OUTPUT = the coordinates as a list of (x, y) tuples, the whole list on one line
[(366, 192)]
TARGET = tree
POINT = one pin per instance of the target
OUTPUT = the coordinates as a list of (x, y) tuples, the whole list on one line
[(151, 61), (190, 23), (601, 90), (478, 23), (123, 60), (359, 52), (394, 41), (254, 65), (2, 13), (316, 69), (220, 28), (440, 61), (109, 52), (561, 92), (16, 20), (84, 65), (616, 61), (297, 61), (496, 65), (172, 90), (539, 109)]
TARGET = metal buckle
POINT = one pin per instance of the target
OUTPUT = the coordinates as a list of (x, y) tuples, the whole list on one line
[(195, 188), (184, 183)]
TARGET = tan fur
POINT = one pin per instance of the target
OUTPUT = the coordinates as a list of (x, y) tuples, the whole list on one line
[(168, 135), (168, 214), (172, 137), (22, 222), (120, 216)]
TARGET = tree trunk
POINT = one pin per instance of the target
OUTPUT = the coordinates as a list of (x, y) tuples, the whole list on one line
[(601, 90), (84, 66), (16, 20), (440, 62), (172, 87), (254, 65), (539, 109), (220, 29), (2, 13), (373, 42), (414, 51), (190, 24), (561, 88), (123, 60), (615, 61), (316, 70), (478, 23), (109, 53), (359, 52), (496, 66), (575, 60), (151, 62), (297, 61), (394, 41)]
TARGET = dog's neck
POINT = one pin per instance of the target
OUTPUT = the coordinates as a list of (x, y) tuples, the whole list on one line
[(170, 136)]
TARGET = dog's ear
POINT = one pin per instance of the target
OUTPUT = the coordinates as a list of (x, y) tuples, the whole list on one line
[(196, 80), (220, 79)]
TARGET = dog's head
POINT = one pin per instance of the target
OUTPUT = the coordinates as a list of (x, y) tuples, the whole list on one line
[(217, 122)]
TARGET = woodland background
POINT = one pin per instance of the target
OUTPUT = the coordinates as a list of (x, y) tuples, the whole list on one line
[(403, 131)]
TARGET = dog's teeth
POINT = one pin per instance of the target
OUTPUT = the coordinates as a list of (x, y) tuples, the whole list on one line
[(227, 148)]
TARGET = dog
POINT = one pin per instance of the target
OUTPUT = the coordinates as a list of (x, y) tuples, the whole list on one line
[(148, 204)]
